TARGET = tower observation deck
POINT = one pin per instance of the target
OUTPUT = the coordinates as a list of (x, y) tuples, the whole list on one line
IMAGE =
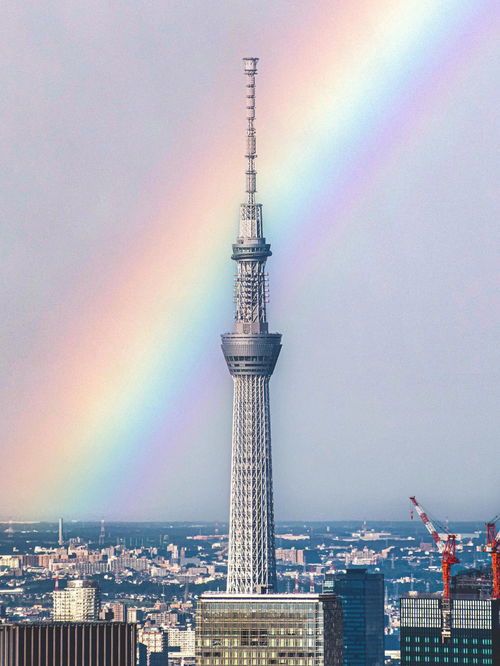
[(251, 353)]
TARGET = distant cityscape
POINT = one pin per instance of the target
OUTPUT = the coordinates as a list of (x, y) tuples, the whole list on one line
[(153, 573)]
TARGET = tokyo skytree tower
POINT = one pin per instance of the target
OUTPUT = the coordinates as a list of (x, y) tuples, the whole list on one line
[(251, 353)]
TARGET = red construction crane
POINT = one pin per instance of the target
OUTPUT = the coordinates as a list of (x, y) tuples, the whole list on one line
[(428, 524), (447, 549), (448, 558), (493, 546)]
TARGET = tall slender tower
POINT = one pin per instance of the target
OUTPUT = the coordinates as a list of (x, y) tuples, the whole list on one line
[(226, 622), (60, 539), (102, 534), (251, 353)]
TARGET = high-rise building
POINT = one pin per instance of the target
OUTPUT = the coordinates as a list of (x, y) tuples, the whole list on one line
[(152, 647), (60, 539), (251, 353), (294, 629), (181, 643), (68, 644), (362, 597), (474, 635), (78, 602), (251, 623)]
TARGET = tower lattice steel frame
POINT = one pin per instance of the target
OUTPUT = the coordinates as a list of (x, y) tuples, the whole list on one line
[(251, 353)]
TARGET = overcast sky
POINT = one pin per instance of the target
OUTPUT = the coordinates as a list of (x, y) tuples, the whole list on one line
[(378, 171)]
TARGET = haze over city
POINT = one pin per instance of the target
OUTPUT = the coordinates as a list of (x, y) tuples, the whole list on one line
[(123, 171)]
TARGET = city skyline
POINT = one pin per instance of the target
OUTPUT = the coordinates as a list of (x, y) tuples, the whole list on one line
[(378, 150)]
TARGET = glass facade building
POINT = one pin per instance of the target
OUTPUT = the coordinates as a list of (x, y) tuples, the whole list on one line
[(362, 597), (475, 631), (263, 630)]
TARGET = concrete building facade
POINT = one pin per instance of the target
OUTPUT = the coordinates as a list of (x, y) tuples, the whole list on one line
[(152, 646), (181, 643)]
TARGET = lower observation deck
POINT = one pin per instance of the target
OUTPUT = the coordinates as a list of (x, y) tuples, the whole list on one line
[(251, 354)]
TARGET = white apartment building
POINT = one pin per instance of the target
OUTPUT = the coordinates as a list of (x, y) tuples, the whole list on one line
[(181, 643), (78, 602)]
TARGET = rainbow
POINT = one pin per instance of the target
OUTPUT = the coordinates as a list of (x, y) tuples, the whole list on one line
[(130, 387)]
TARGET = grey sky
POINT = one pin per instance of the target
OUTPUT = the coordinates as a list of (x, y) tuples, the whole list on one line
[(388, 383)]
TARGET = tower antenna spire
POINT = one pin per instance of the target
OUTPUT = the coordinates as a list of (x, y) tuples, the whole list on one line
[(250, 65)]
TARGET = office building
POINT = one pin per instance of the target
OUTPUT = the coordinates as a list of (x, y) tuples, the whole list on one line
[(296, 630), (362, 597), (152, 646), (68, 644), (78, 602), (474, 637)]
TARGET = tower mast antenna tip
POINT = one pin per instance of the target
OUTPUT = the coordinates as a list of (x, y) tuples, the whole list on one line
[(250, 65)]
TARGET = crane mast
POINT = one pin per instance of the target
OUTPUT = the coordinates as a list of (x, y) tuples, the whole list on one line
[(493, 546), (448, 558)]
